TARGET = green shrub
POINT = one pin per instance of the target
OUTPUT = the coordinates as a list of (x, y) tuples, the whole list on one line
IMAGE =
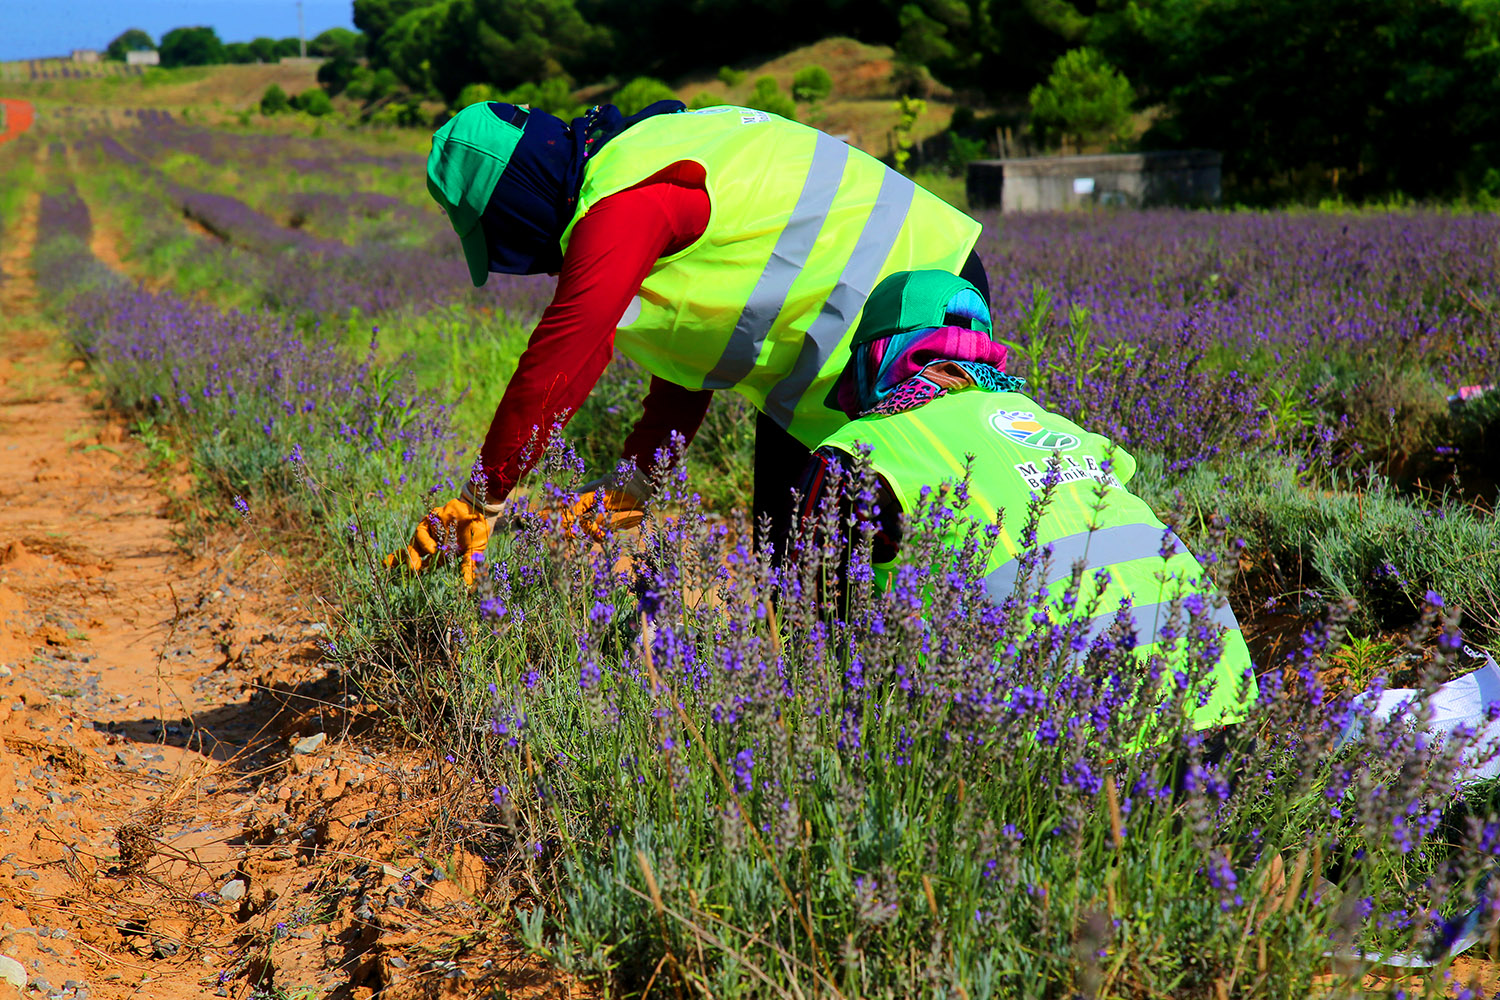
[(371, 85), (731, 77), (337, 43), (910, 109), (263, 48), (767, 96), (129, 40), (812, 83), (641, 93), (1084, 99), (703, 99), (402, 114), (551, 95), (476, 93), (314, 102), (337, 73), (274, 101), (1313, 545), (196, 46)]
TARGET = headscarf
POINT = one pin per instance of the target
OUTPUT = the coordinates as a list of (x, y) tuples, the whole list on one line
[(885, 374), (537, 195)]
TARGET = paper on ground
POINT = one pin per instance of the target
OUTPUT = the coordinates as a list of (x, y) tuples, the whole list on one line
[(1463, 701)]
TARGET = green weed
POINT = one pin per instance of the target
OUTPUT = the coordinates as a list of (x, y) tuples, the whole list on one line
[(161, 455), (1360, 539)]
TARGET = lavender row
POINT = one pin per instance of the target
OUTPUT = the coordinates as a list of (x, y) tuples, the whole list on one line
[(267, 151), (144, 116), (334, 210), (250, 382), (1177, 332), (254, 376), (63, 261), (1297, 285), (299, 272)]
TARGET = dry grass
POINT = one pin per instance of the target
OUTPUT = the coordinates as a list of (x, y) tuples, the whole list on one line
[(859, 71), (231, 88), (863, 104)]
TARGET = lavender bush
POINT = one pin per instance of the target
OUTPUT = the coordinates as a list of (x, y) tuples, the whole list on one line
[(743, 791)]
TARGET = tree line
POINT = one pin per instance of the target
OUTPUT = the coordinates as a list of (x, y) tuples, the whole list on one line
[(1356, 98), (1364, 98), (201, 46)]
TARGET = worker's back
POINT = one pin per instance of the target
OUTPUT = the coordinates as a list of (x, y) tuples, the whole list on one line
[(803, 226), (1015, 446)]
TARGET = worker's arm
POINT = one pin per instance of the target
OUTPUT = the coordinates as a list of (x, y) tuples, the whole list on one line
[(668, 407), (611, 251)]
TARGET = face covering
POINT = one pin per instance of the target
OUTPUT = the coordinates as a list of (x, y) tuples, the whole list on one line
[(882, 367), (537, 195)]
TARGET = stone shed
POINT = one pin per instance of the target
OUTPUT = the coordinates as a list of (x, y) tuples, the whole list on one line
[(1131, 180)]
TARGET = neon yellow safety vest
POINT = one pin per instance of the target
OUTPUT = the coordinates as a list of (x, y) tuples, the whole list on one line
[(1012, 441), (802, 228)]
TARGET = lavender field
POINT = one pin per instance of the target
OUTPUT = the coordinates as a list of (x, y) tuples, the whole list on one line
[(708, 791)]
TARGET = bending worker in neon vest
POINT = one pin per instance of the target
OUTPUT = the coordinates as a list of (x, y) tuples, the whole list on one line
[(725, 248), (925, 388)]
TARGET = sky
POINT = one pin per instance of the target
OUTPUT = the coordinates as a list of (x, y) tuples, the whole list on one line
[(32, 28)]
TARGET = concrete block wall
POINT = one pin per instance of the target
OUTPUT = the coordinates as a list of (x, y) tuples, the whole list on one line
[(1127, 180)]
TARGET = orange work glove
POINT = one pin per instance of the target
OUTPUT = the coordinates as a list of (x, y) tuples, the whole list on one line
[(624, 506), (467, 521)]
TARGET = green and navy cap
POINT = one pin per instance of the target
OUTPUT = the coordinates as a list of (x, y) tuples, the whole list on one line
[(908, 301), (468, 156)]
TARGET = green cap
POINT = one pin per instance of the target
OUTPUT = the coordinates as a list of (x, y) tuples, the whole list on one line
[(920, 300), (468, 156)]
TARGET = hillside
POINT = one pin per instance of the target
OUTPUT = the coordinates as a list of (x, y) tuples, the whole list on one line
[(862, 105), (229, 89)]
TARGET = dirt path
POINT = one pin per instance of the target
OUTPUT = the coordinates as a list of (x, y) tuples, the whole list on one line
[(184, 811)]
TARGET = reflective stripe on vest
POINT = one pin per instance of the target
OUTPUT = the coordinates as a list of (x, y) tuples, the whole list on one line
[(1121, 543), (787, 260), (1007, 438), (802, 228), (1150, 619), (842, 307)]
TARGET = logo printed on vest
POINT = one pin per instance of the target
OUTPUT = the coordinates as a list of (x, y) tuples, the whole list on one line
[(1022, 427)]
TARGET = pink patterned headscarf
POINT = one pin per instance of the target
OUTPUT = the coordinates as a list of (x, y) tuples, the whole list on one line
[(876, 369)]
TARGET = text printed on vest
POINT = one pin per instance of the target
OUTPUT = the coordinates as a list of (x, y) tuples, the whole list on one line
[(1069, 470)]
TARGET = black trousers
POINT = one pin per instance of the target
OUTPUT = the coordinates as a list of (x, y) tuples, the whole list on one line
[(781, 458)]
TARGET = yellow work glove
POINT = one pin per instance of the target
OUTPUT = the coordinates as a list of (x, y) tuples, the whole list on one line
[(624, 506), (465, 520)]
